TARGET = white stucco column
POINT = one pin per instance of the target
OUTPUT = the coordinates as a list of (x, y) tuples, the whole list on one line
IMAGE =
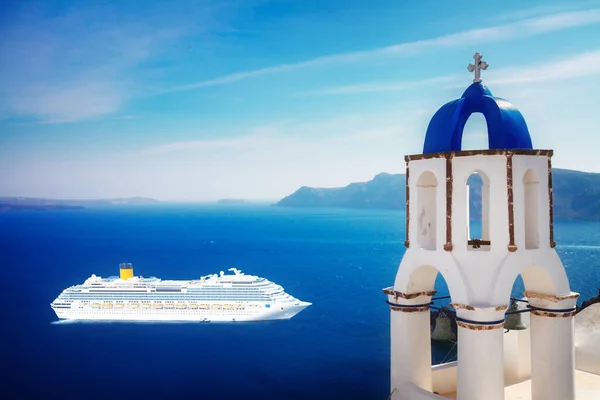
[(552, 347), (410, 341), (480, 365)]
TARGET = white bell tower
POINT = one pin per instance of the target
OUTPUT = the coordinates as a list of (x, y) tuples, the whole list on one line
[(516, 239)]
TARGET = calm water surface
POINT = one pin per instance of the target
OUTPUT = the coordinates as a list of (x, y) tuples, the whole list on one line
[(337, 259)]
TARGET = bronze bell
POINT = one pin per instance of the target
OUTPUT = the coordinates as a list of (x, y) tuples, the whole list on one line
[(443, 329), (513, 322)]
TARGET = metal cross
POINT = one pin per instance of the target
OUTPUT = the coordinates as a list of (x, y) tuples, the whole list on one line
[(479, 65)]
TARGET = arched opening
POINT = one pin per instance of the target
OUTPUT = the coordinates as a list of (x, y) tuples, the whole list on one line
[(478, 210), (416, 345), (444, 331), (517, 340), (532, 228), (442, 317), (517, 337), (475, 133), (426, 211)]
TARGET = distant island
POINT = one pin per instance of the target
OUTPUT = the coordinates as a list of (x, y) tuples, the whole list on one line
[(9, 204), (232, 201), (576, 195)]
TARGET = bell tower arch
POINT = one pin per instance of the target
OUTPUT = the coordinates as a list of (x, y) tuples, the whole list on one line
[(516, 238)]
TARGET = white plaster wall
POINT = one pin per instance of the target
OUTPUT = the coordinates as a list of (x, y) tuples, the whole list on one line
[(494, 168), (427, 217), (511, 357), (539, 164), (517, 354), (414, 276), (444, 377), (525, 348), (412, 392), (542, 272), (410, 345), (587, 339), (482, 277), (436, 166), (517, 362), (553, 358)]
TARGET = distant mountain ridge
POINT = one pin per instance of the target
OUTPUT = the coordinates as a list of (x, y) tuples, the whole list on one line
[(40, 204), (383, 191), (576, 195)]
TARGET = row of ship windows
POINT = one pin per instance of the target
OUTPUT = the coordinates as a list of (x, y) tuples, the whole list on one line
[(146, 302), (196, 292), (166, 311), (165, 296), (142, 302), (153, 294), (220, 312), (187, 298), (169, 310), (162, 294), (202, 289), (256, 287), (86, 303), (169, 295)]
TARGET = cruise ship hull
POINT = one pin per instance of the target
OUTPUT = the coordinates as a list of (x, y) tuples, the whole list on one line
[(222, 297), (150, 314)]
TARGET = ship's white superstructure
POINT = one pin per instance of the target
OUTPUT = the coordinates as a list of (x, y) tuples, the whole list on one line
[(231, 297)]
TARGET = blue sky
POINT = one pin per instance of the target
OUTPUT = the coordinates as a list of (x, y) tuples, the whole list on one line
[(200, 100)]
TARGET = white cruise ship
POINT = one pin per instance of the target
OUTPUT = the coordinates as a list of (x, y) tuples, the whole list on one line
[(233, 297)]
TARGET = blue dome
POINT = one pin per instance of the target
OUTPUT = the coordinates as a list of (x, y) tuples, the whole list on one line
[(506, 126)]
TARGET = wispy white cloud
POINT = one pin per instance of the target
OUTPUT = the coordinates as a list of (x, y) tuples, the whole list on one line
[(126, 117), (208, 144), (276, 163), (293, 135), (73, 67), (83, 61), (523, 28), (578, 66), (581, 65), (544, 9), (255, 137), (58, 71), (382, 86), (69, 103)]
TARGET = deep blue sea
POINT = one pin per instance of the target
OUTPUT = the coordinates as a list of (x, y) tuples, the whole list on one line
[(337, 259)]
